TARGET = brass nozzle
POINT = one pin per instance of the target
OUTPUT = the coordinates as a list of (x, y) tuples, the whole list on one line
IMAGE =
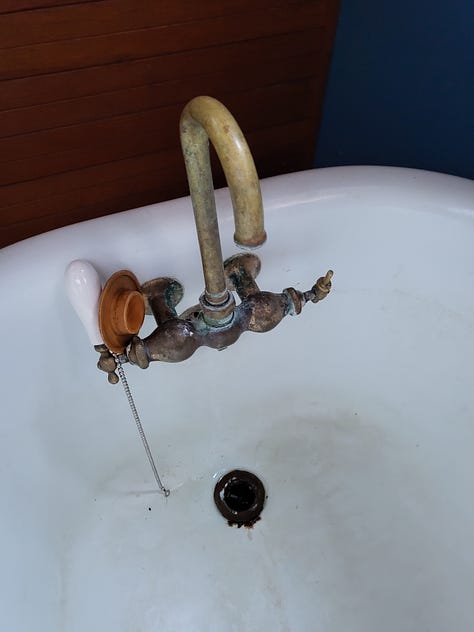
[(320, 289)]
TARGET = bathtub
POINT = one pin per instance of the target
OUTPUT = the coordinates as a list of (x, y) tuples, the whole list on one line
[(357, 415)]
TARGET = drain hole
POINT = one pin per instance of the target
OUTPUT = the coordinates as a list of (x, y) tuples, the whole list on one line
[(240, 496)]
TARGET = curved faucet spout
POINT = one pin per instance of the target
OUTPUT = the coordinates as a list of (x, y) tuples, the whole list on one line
[(204, 119)]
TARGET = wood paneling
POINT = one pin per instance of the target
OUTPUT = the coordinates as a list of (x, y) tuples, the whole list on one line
[(239, 58), (83, 20), (56, 56), (91, 94), (14, 6)]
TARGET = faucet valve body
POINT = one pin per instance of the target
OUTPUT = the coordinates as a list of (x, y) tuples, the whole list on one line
[(176, 338)]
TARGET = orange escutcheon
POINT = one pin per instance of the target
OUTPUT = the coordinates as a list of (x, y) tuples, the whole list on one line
[(121, 310)]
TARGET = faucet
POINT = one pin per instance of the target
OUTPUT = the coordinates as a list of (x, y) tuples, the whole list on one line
[(205, 119), (216, 321)]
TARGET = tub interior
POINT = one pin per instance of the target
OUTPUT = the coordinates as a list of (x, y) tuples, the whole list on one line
[(357, 416)]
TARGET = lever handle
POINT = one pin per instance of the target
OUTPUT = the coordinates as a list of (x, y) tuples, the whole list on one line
[(83, 288)]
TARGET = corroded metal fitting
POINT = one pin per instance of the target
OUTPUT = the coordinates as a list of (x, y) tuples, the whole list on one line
[(322, 287), (137, 354), (295, 301), (108, 363), (217, 315)]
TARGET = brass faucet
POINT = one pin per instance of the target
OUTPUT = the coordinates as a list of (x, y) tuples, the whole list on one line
[(205, 119), (216, 322)]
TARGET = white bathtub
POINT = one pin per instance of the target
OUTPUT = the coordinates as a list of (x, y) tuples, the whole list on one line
[(357, 415)]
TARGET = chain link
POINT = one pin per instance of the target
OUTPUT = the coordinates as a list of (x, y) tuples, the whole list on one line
[(126, 388)]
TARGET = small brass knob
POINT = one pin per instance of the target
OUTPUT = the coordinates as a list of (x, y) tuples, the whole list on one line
[(322, 287)]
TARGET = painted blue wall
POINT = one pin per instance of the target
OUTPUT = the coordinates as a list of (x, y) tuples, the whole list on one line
[(401, 86)]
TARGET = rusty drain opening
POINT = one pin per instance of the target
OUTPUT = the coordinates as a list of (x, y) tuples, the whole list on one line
[(240, 497)]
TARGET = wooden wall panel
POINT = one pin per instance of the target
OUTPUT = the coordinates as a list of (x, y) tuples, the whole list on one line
[(83, 20), (91, 94)]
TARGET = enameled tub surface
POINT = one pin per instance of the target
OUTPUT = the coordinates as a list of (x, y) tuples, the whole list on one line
[(358, 416)]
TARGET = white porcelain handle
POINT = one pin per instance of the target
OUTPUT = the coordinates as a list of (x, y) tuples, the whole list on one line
[(83, 288)]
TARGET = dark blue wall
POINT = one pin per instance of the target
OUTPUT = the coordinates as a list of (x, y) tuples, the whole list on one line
[(401, 86)]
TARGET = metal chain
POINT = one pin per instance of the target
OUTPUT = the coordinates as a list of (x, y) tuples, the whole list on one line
[(126, 388)]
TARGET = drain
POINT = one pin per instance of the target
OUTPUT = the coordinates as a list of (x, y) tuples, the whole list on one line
[(240, 496)]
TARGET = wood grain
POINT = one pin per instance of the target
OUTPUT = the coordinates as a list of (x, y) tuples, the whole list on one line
[(184, 65), (91, 94), (81, 20), (109, 48)]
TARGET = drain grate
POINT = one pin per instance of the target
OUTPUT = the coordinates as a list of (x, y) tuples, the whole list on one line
[(240, 497)]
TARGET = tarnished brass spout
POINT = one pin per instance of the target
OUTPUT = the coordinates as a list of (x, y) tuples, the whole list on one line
[(204, 119)]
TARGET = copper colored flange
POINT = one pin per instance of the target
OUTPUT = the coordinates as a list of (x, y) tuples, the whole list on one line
[(121, 310)]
